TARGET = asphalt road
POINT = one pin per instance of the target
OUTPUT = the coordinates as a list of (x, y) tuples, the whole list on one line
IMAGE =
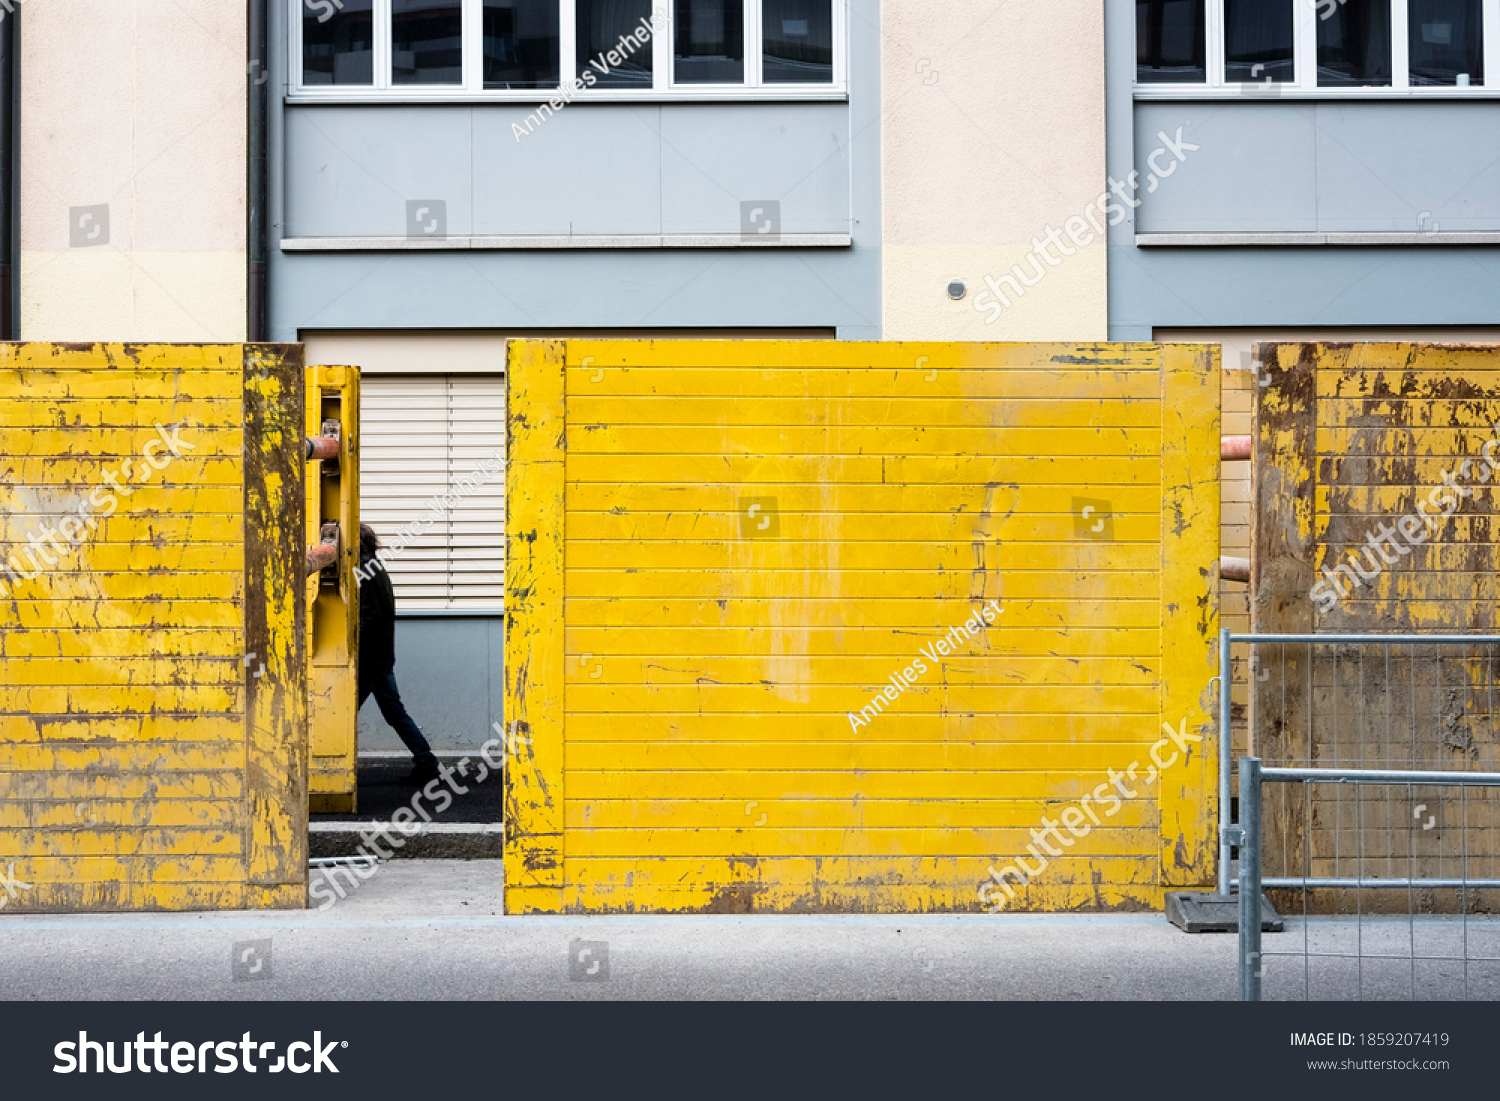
[(435, 930)]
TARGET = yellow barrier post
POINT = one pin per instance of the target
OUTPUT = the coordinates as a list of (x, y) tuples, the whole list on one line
[(153, 716), (333, 598), (817, 626)]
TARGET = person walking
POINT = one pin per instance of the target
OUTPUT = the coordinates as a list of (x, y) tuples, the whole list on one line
[(377, 657)]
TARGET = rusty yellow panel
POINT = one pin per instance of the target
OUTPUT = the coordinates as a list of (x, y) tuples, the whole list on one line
[(839, 529), (912, 378), (534, 589), (117, 729), (692, 438), (119, 386), (790, 813), (999, 501), (886, 612), (332, 491), (941, 469), (81, 613), (734, 580), (217, 415), (108, 642), (151, 729), (907, 884), (694, 656), (994, 399), (685, 642), (657, 727), (93, 447), (986, 668)]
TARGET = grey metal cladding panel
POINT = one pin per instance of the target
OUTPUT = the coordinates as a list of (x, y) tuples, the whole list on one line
[(1383, 166), (449, 674), (588, 169), (1329, 167), (716, 156), (351, 170), (1255, 170)]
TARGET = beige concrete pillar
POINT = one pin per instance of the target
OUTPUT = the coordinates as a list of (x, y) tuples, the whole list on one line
[(133, 170)]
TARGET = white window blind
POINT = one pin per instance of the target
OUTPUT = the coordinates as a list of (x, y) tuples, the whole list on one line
[(420, 434)]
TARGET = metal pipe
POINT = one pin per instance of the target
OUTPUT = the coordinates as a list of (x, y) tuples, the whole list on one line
[(321, 557), (10, 174), (259, 73), (1226, 823), (1381, 776), (322, 447), (1384, 640), (1348, 883), (1236, 448), (1250, 879), (1234, 569)]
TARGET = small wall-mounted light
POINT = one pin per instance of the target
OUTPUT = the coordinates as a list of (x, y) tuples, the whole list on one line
[(956, 289)]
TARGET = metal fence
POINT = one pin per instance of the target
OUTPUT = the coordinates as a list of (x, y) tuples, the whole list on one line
[(1383, 750)]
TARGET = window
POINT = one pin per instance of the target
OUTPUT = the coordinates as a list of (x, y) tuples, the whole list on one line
[(520, 44), (576, 49), (338, 47), (1258, 41), (797, 42), (602, 24), (1354, 44), (1445, 42), (421, 437), (1314, 48), (1169, 38)]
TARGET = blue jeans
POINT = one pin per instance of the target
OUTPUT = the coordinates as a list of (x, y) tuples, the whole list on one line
[(388, 698)]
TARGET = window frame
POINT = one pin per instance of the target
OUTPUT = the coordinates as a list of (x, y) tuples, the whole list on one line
[(1305, 63), (472, 90)]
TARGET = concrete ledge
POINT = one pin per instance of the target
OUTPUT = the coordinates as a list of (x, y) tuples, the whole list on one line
[(597, 241), (435, 840), (1283, 240)]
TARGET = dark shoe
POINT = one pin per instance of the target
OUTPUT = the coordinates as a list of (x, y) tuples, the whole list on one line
[(420, 777)]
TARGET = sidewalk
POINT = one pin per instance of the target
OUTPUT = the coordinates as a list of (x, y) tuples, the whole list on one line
[(435, 930)]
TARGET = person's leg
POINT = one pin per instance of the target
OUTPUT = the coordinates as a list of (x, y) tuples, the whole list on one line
[(394, 712)]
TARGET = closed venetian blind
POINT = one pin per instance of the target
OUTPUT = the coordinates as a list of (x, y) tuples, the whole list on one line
[(421, 434)]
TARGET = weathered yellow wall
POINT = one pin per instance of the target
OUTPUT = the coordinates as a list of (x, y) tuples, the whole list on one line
[(679, 685), (152, 685)]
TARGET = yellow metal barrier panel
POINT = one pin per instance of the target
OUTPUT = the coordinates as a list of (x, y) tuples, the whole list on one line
[(152, 663), (836, 627), (333, 593)]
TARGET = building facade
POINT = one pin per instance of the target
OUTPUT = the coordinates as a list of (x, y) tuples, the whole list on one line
[(442, 175)]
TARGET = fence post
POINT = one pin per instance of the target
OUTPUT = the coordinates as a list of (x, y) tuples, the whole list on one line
[(1225, 704), (1250, 958)]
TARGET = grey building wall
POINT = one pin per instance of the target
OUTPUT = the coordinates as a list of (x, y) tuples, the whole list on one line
[(652, 168), (1305, 166)]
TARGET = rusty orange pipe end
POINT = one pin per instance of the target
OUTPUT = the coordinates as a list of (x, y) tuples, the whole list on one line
[(1236, 447), (1234, 569)]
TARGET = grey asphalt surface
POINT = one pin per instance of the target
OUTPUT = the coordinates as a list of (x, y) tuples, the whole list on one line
[(435, 930)]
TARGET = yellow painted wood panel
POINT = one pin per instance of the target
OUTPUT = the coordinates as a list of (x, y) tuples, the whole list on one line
[(143, 763), (1071, 642), (689, 438), (704, 666)]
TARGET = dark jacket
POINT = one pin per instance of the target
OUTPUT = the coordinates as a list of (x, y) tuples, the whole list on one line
[(377, 620)]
